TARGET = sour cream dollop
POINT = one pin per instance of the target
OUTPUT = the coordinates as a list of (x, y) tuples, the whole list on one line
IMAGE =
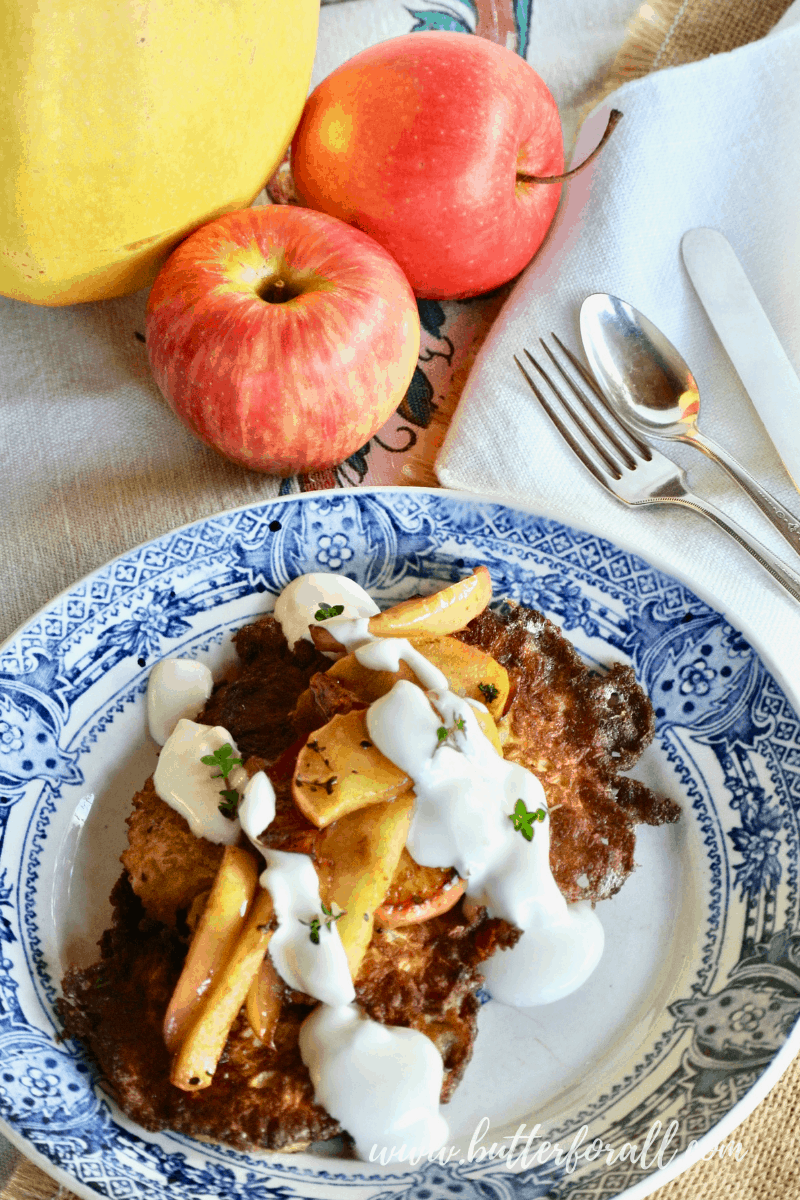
[(188, 785), (382, 1083), (298, 603), (176, 687)]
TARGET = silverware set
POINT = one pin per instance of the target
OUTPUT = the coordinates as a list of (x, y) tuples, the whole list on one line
[(638, 388)]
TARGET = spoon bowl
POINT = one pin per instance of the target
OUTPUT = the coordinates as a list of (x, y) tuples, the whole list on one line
[(638, 368), (652, 390)]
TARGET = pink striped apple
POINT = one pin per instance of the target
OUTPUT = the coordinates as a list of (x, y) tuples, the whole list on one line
[(281, 337), (443, 146)]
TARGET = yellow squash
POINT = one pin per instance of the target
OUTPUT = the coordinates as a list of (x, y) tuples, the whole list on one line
[(125, 124)]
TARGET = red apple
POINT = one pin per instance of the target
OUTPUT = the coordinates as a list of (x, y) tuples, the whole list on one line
[(282, 337), (421, 141)]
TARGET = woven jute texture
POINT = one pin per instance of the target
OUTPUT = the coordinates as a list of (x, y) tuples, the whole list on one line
[(664, 33), (672, 32)]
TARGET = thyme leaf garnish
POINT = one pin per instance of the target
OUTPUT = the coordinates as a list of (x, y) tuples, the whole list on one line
[(524, 821), (446, 731), (488, 691), (223, 758), (326, 611), (326, 921)]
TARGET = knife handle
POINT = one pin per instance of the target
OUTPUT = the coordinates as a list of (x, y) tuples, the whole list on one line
[(786, 523), (785, 576)]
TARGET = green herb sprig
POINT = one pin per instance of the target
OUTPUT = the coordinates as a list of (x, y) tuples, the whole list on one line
[(223, 758), (326, 921), (326, 611), (523, 820), (488, 691), (444, 731)]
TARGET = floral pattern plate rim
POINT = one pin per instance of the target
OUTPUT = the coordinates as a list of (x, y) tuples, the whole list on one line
[(690, 1017)]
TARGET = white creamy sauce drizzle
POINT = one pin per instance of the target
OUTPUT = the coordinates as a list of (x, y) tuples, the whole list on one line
[(188, 785), (176, 687), (318, 969), (382, 1083), (297, 603), (465, 796)]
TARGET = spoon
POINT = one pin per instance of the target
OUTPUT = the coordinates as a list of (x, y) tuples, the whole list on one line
[(654, 392)]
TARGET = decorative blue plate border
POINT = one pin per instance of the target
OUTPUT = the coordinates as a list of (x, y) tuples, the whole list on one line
[(725, 730)]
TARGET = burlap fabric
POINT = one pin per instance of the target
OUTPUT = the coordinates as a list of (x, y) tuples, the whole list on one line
[(664, 33)]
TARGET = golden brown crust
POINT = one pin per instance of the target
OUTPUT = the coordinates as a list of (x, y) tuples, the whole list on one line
[(575, 731), (426, 976), (167, 865)]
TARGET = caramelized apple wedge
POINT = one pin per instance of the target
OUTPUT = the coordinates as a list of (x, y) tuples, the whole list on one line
[(339, 770), (196, 1061), (356, 859), (424, 616), (418, 893), (215, 936), (470, 672), (264, 999), (443, 612)]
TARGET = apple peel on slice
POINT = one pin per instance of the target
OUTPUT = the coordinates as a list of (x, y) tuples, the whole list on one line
[(217, 932), (436, 615), (418, 894)]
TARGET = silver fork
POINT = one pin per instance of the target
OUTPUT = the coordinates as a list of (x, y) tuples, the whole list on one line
[(626, 465)]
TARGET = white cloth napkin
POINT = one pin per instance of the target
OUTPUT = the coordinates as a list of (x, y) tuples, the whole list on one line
[(714, 143)]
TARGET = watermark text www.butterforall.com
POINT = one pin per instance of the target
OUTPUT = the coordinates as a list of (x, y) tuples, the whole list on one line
[(527, 1148)]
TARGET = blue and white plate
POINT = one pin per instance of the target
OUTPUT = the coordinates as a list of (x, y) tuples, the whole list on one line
[(685, 1025)]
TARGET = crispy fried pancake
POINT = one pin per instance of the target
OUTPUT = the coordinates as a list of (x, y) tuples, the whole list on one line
[(167, 865), (424, 976), (261, 1095), (255, 705), (574, 730)]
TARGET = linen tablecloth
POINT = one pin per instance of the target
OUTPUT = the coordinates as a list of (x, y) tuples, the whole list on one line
[(94, 462)]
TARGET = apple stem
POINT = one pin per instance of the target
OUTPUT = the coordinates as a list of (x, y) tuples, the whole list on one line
[(614, 118)]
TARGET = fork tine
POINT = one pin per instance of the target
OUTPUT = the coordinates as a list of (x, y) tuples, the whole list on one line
[(592, 383), (589, 431), (597, 419), (574, 445)]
